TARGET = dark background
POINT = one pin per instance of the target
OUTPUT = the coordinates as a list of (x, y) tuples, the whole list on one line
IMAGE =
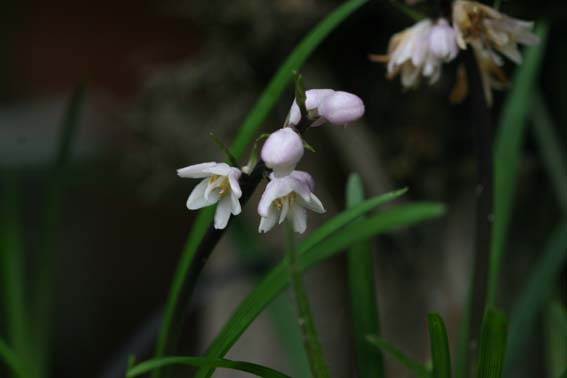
[(160, 75)]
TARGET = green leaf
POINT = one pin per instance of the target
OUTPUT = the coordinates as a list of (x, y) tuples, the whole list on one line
[(555, 323), (364, 308), (549, 144), (507, 154), (305, 317), (322, 244), (418, 368), (10, 359), (248, 246), (257, 370), (12, 282), (439, 346), (43, 282), (535, 294), (299, 91), (492, 345), (245, 135)]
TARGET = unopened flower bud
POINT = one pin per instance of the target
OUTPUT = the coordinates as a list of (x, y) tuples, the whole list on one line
[(282, 151), (341, 108), (313, 99), (442, 41)]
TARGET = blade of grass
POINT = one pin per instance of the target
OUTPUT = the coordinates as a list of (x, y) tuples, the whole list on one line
[(247, 244), (244, 137), (492, 345), (507, 154), (439, 346), (304, 316), (12, 270), (533, 297), (257, 370), (309, 255), (11, 360), (555, 322), (550, 147), (419, 369), (43, 278), (364, 308)]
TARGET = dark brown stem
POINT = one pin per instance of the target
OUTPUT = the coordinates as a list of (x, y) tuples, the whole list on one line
[(480, 119)]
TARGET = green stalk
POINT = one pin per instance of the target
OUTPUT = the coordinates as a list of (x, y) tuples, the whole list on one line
[(305, 317)]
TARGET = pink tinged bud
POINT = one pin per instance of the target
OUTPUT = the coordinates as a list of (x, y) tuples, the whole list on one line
[(313, 99), (341, 108), (443, 41), (282, 151)]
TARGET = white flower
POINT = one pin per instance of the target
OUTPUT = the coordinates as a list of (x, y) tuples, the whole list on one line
[(341, 108), (282, 151), (288, 198), (490, 29), (220, 185), (443, 41), (419, 52)]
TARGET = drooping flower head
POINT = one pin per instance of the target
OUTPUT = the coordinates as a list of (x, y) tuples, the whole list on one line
[(490, 33), (328, 106), (282, 151), (288, 197), (419, 52), (220, 185)]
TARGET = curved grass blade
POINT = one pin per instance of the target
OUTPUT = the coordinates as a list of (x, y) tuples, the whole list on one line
[(10, 359), (364, 308), (257, 370), (507, 153), (245, 136), (439, 346), (305, 317), (492, 345), (536, 293), (309, 255), (418, 368)]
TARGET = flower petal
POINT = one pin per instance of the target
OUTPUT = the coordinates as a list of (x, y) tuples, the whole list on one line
[(277, 187), (313, 204), (235, 204), (233, 177), (284, 210), (269, 221), (221, 169), (197, 198), (222, 214), (299, 217), (196, 171)]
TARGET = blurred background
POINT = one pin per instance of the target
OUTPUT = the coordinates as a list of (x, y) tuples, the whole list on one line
[(159, 76)]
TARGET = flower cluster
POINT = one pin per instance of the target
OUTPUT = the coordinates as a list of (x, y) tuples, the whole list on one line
[(289, 193), (420, 51)]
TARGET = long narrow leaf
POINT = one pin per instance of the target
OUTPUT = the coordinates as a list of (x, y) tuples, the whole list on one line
[(419, 369), (10, 359), (492, 345), (257, 370), (439, 346), (245, 136), (534, 296), (305, 317), (507, 153), (310, 255), (364, 308), (551, 148), (555, 322)]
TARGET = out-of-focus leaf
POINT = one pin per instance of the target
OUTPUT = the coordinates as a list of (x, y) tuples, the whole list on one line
[(10, 359), (535, 294), (439, 346), (310, 254), (551, 148), (418, 368), (508, 144), (555, 322), (492, 345), (245, 136), (257, 370), (364, 308)]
